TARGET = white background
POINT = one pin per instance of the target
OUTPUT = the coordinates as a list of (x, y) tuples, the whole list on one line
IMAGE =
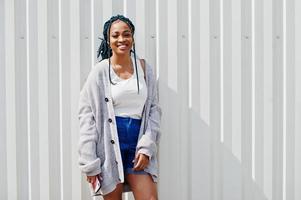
[(230, 89)]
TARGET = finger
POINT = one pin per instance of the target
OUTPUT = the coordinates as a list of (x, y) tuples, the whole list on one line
[(136, 158), (138, 164), (92, 179), (138, 168), (142, 167), (135, 161), (142, 164)]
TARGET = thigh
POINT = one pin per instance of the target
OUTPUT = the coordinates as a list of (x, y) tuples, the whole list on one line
[(116, 194), (142, 186)]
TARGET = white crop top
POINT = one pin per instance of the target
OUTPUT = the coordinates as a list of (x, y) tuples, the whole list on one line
[(126, 100)]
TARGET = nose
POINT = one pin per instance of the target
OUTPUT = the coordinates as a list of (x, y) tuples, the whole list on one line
[(121, 39)]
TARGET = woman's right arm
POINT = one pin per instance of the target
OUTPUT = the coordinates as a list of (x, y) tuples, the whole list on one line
[(89, 163)]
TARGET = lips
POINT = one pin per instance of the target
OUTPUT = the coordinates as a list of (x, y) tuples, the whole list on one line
[(122, 47)]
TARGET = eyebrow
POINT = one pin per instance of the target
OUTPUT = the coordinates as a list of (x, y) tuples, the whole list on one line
[(123, 31)]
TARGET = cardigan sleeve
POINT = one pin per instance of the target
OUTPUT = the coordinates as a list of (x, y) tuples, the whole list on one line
[(88, 161), (150, 139)]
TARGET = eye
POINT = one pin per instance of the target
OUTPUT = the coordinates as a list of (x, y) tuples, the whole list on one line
[(127, 34)]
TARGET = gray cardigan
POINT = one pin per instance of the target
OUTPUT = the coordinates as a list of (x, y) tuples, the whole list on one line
[(98, 143)]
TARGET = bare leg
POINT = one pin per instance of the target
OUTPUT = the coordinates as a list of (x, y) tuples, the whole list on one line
[(116, 194), (142, 186)]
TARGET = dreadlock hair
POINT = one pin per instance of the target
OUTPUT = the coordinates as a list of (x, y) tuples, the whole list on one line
[(105, 50)]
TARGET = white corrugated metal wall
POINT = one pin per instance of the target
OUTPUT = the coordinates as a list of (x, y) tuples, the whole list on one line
[(229, 88)]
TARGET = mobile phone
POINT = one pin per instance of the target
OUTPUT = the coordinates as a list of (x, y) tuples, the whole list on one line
[(97, 184)]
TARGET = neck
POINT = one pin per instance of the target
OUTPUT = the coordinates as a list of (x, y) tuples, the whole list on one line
[(121, 60)]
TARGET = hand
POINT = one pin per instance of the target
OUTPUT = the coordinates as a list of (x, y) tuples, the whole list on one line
[(92, 179), (141, 161)]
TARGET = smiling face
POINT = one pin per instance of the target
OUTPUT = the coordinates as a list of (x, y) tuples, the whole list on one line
[(121, 38)]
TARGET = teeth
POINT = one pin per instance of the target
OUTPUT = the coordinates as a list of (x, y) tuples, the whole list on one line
[(122, 47)]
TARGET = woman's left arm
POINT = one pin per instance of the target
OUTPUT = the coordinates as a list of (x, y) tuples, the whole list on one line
[(149, 141)]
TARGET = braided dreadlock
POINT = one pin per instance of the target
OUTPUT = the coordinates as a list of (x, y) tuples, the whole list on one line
[(105, 50)]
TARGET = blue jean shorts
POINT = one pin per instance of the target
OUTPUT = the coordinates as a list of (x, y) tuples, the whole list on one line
[(128, 132)]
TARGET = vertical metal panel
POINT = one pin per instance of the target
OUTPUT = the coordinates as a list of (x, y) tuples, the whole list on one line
[(204, 61), (162, 48), (74, 95), (277, 99), (65, 109), (140, 27), (194, 67), (98, 26), (236, 78), (268, 111), (54, 99), (43, 101), (33, 87), (183, 88), (215, 98), (59, 41), (172, 27), (85, 59), (172, 134), (297, 100), (227, 69), (85, 39), (148, 48), (130, 11), (21, 99), (107, 10), (231, 168), (117, 7), (246, 102), (268, 102), (290, 99), (199, 111), (231, 99), (12, 192), (194, 55), (233, 161), (3, 152), (174, 38), (259, 95)]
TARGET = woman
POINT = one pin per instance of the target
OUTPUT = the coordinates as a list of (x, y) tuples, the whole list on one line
[(120, 117)]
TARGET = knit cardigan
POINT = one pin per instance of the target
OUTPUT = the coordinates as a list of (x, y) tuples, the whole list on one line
[(98, 147)]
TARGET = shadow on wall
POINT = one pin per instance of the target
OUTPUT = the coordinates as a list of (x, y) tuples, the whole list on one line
[(185, 164)]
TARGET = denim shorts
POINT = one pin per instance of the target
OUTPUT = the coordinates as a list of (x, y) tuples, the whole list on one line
[(128, 132)]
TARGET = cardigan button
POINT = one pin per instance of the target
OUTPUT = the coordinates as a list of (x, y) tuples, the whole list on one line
[(110, 120), (112, 141), (91, 122), (106, 99)]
